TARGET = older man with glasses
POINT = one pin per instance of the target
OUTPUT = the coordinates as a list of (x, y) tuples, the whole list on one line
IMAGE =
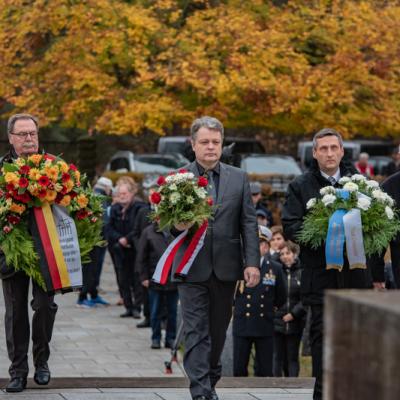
[(22, 130)]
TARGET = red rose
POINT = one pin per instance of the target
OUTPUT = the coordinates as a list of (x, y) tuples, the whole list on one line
[(24, 198), (13, 219), (202, 181), (210, 201), (59, 197), (49, 157), (81, 214), (183, 171), (155, 197), (73, 194), (10, 187), (25, 169), (42, 193), (73, 167), (7, 229), (23, 182), (43, 180), (65, 177), (161, 181)]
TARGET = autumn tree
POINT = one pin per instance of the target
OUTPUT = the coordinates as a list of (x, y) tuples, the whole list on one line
[(125, 66)]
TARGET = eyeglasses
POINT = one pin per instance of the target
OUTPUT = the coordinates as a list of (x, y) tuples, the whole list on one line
[(24, 135)]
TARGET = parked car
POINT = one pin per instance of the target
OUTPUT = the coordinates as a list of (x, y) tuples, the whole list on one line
[(352, 149), (276, 170), (145, 163)]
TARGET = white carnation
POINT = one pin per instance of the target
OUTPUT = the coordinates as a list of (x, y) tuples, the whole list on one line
[(328, 199), (358, 178), (351, 187), (372, 184), (200, 192), (389, 200), (173, 187), (311, 203), (344, 180), (174, 197), (379, 195), (327, 190), (363, 203), (389, 212), (189, 200)]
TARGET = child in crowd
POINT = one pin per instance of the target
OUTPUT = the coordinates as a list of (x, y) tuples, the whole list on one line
[(276, 241), (290, 317), (254, 312)]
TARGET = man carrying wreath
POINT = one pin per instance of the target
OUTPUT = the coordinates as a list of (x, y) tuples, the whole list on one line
[(22, 130), (230, 252), (326, 170)]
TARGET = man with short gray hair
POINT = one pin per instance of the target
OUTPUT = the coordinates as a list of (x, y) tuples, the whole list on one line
[(23, 131), (230, 253)]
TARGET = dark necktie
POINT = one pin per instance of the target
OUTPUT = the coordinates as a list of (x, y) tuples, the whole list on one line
[(332, 180), (212, 191)]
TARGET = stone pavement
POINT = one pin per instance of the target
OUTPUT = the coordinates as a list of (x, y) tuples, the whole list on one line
[(157, 394), (96, 342)]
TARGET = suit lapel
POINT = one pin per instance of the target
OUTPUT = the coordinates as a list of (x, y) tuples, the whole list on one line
[(193, 168)]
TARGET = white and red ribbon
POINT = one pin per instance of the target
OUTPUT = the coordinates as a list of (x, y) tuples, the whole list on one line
[(164, 264)]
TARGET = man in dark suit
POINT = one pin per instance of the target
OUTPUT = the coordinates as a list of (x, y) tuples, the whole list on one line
[(230, 253), (23, 132)]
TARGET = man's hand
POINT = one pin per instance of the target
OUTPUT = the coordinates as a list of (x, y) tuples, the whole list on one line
[(182, 226), (288, 317), (379, 285), (146, 283), (251, 276), (123, 241)]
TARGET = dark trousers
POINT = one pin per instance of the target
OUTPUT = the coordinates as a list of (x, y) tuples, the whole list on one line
[(100, 255), (89, 276), (286, 354), (241, 354), (316, 332), (128, 279), (206, 312), (156, 299), (16, 291)]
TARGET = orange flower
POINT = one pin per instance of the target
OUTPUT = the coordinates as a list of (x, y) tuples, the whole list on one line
[(19, 209), (66, 201), (77, 175), (52, 172), (35, 158), (10, 177), (63, 166), (69, 185), (50, 195), (34, 174), (82, 200)]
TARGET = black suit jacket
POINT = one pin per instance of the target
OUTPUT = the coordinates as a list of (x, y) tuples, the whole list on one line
[(231, 241)]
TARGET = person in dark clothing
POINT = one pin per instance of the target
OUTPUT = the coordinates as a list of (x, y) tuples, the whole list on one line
[(394, 165), (152, 245), (119, 232), (290, 317), (326, 169), (392, 187), (256, 197), (253, 314), (23, 135)]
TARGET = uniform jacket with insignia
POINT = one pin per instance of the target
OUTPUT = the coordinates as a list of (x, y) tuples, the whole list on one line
[(254, 307)]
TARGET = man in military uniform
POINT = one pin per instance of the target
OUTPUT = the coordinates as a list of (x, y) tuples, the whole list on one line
[(254, 314)]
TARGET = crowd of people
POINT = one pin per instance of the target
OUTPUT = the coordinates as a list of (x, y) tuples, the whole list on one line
[(247, 267)]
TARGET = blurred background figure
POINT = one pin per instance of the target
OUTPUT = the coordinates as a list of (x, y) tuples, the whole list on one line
[(363, 167), (256, 196), (120, 236), (151, 247), (290, 318), (394, 165), (276, 242), (262, 218)]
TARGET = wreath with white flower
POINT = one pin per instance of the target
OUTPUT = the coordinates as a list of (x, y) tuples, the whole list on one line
[(379, 217)]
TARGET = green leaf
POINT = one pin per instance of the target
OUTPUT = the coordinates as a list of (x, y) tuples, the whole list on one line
[(10, 167)]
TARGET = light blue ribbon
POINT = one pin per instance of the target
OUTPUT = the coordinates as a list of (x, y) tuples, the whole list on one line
[(343, 194), (335, 239)]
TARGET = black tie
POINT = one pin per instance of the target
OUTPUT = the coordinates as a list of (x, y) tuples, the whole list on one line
[(332, 180), (211, 186)]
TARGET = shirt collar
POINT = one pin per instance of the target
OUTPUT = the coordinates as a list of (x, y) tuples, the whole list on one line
[(336, 175), (201, 169)]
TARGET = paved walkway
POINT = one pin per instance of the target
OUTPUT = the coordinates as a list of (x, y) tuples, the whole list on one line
[(96, 342)]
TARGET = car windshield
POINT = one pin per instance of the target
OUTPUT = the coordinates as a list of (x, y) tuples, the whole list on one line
[(270, 165)]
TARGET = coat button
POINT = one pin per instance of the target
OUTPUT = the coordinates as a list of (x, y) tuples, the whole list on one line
[(262, 305), (248, 296), (247, 314), (262, 296), (248, 305), (261, 315)]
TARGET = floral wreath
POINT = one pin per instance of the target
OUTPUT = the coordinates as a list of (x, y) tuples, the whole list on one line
[(32, 182)]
